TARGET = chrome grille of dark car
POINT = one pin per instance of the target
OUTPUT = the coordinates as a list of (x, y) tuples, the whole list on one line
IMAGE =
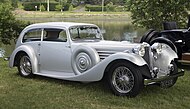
[(103, 54)]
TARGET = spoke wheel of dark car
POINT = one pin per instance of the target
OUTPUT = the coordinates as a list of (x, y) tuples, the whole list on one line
[(125, 80), (25, 66), (170, 82)]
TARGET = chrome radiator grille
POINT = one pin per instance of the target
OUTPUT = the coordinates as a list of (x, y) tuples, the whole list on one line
[(147, 56)]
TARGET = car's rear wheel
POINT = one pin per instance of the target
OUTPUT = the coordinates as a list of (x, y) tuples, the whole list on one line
[(124, 80), (25, 66)]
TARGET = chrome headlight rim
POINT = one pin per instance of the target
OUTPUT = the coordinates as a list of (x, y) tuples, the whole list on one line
[(140, 50), (157, 47)]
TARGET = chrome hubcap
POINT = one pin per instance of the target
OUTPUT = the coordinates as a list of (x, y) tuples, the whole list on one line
[(25, 65), (123, 79)]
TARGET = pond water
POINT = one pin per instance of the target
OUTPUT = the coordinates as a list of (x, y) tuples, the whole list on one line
[(112, 29)]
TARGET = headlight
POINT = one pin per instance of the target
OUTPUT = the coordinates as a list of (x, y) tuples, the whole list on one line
[(140, 50), (157, 47)]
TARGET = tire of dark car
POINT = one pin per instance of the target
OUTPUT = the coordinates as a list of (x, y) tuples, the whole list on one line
[(144, 37), (169, 83), (165, 41)]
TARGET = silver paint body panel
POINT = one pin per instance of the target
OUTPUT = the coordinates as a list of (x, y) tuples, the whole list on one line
[(54, 59)]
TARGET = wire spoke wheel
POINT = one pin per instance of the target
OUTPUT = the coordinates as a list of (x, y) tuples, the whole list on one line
[(123, 79), (25, 66)]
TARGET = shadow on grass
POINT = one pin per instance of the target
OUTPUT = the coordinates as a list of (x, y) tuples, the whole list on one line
[(183, 66), (99, 86), (90, 86)]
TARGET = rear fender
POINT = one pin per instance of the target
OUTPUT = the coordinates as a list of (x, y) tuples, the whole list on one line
[(30, 52)]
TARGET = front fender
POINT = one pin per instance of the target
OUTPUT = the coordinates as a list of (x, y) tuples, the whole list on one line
[(96, 72), (30, 52), (134, 58), (165, 58)]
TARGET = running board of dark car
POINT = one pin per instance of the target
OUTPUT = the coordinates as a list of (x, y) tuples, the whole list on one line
[(185, 59)]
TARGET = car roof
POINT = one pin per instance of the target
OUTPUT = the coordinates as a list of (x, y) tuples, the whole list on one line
[(59, 24)]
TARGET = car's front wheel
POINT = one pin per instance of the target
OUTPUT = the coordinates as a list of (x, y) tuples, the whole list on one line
[(124, 79), (25, 66)]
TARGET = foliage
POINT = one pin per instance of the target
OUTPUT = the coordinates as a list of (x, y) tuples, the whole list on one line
[(110, 7), (14, 3), (99, 2), (20, 6), (120, 8), (152, 13), (80, 2), (52, 1), (66, 6), (10, 27), (93, 8), (42, 8), (71, 8), (58, 7), (30, 6)]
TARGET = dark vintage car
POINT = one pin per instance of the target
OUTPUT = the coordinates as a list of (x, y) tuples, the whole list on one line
[(177, 39)]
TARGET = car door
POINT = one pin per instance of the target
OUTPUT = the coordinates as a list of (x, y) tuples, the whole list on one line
[(33, 38), (55, 52)]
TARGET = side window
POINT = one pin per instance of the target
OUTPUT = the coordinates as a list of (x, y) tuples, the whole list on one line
[(63, 35), (55, 35), (32, 35)]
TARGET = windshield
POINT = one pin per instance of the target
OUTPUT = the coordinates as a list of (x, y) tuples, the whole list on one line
[(85, 33)]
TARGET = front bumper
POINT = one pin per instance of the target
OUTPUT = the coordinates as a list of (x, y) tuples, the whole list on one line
[(156, 80)]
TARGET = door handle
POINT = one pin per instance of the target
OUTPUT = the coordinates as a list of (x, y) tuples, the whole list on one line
[(68, 46)]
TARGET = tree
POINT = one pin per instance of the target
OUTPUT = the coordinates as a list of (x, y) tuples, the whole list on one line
[(10, 27), (71, 8), (110, 7), (42, 8), (152, 13), (14, 3)]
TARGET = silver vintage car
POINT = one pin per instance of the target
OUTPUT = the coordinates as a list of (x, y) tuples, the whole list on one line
[(78, 52)]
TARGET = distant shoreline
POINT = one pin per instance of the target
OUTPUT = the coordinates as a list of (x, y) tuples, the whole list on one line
[(24, 15)]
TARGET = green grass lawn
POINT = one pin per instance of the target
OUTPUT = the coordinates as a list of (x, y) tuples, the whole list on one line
[(41, 92)]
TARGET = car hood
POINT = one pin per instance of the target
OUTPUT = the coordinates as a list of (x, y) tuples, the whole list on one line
[(115, 46)]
